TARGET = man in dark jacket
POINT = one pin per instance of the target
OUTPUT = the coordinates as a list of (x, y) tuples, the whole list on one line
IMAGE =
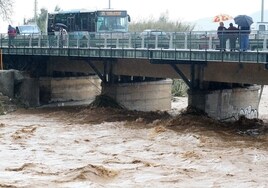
[(233, 35), (50, 33), (221, 32)]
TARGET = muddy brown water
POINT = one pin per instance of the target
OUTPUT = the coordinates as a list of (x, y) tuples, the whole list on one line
[(103, 147)]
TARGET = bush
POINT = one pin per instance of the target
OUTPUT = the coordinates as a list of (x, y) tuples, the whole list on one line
[(179, 88)]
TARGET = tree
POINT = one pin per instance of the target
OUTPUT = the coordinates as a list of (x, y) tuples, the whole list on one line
[(57, 8), (41, 19), (6, 9)]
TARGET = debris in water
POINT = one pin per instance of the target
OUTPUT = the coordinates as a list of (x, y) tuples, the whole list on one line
[(105, 101)]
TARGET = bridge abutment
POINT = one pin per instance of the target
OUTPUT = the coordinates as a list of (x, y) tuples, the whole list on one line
[(17, 84), (141, 96), (28, 92), (66, 89), (227, 104), (7, 78)]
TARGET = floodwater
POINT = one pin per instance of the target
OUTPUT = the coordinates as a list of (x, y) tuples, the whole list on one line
[(84, 147)]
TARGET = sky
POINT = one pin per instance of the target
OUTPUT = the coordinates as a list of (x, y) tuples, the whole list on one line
[(177, 10)]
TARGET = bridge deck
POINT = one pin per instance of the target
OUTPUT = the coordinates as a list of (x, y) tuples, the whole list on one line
[(152, 57), (159, 55)]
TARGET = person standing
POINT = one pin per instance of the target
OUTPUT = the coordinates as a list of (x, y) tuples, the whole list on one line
[(244, 37), (63, 37), (50, 33), (11, 35), (232, 35), (221, 32)]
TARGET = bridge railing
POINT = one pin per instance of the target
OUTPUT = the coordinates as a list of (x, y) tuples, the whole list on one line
[(199, 40)]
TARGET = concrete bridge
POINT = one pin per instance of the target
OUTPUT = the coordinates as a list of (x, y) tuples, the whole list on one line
[(222, 83)]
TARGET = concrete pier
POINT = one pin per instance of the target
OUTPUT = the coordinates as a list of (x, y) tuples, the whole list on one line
[(141, 96), (227, 104)]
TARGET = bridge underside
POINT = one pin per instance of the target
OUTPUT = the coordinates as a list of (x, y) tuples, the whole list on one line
[(228, 72)]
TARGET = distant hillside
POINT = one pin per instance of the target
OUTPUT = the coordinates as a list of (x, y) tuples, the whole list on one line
[(206, 24)]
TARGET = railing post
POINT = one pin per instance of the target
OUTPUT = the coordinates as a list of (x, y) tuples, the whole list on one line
[(58, 41), (210, 42), (1, 60), (30, 41), (105, 41), (88, 40), (142, 41), (185, 40), (129, 41), (156, 42), (77, 42), (228, 44), (117, 42), (265, 43), (171, 41), (1, 40), (67, 41), (39, 40)]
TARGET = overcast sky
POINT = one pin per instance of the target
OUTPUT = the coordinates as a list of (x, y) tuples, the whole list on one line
[(181, 10)]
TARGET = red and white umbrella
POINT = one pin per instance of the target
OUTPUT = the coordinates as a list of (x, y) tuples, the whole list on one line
[(222, 18)]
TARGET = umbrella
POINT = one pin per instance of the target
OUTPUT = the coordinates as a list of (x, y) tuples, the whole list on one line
[(222, 18), (61, 25), (243, 20)]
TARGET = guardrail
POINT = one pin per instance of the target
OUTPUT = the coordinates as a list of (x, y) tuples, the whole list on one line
[(206, 40)]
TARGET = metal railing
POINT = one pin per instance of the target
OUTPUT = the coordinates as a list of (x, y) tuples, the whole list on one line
[(205, 40), (178, 46)]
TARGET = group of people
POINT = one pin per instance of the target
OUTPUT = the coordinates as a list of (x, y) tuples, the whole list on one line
[(233, 33)]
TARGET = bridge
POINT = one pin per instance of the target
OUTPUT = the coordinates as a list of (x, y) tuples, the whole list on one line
[(191, 56)]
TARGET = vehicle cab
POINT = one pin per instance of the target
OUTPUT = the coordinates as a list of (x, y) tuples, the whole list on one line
[(258, 35), (260, 26), (30, 31), (259, 30)]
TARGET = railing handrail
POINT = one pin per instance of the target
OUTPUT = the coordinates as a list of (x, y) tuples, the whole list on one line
[(202, 45), (178, 40)]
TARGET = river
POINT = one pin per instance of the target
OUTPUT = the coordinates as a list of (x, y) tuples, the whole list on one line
[(101, 147)]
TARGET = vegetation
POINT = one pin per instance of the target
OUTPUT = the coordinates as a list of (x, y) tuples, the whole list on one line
[(6, 9), (179, 88), (163, 23), (41, 20)]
